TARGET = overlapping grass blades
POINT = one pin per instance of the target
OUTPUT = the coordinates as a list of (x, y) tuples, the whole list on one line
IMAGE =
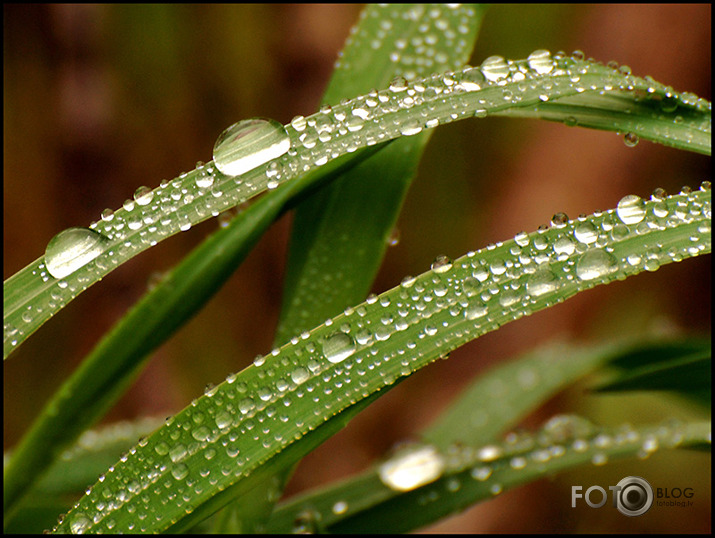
[(267, 408), (31, 296)]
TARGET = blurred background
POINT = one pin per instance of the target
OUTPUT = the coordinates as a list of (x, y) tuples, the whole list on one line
[(100, 99)]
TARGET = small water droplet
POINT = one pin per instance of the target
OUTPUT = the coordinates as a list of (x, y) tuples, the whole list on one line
[(559, 220), (411, 468), (441, 264), (248, 144), (143, 195), (338, 347), (71, 249), (631, 140), (631, 209)]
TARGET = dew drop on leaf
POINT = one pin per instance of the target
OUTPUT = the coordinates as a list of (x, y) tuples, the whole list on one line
[(248, 144), (495, 68), (595, 264), (631, 209), (71, 249), (338, 347), (630, 140), (411, 468), (540, 61)]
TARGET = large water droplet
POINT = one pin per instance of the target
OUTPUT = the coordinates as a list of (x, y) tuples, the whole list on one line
[(541, 282), (338, 347), (71, 249), (540, 61), (412, 468), (248, 144), (631, 209), (594, 264), (495, 68)]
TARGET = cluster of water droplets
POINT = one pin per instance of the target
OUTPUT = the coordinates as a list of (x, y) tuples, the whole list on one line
[(476, 473), (369, 346), (264, 154)]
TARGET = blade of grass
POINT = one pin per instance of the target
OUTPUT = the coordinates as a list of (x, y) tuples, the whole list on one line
[(482, 414), (116, 361), (332, 241), (73, 472), (243, 423), (476, 474), (31, 296)]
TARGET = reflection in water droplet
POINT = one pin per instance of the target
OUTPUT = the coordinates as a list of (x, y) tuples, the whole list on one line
[(71, 249), (630, 140), (248, 144), (412, 468), (338, 347), (594, 264)]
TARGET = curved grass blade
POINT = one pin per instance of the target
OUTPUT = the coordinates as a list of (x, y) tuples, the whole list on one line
[(468, 475), (689, 376), (482, 414), (243, 423), (331, 239), (76, 469), (32, 296), (117, 359)]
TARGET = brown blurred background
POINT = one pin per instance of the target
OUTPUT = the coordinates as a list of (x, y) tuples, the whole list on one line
[(99, 100)]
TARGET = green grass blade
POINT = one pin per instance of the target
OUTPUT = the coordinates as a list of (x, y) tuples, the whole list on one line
[(482, 414), (31, 296), (332, 241), (118, 358), (76, 470), (467, 475), (501, 398), (688, 375), (243, 423)]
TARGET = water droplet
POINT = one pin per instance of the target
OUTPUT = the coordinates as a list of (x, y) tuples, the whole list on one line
[(411, 128), (595, 264), (299, 375), (394, 239), (559, 220), (143, 195), (489, 453), (540, 61), (248, 144), (411, 468), (630, 140), (495, 68), (475, 311), (541, 282), (107, 215), (441, 264), (71, 249), (585, 232), (340, 507), (80, 524), (338, 347), (631, 209)]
